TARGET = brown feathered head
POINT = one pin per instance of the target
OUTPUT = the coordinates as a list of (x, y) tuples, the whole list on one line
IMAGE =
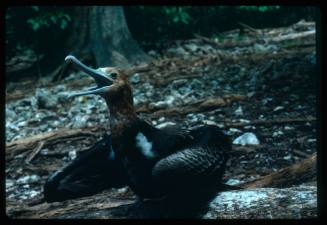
[(112, 84)]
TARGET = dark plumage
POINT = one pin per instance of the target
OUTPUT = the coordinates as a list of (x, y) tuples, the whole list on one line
[(153, 162), (180, 159), (94, 170)]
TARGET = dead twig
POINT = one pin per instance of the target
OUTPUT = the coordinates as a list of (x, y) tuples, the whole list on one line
[(272, 122), (300, 153), (17, 147), (292, 36), (199, 106), (251, 29), (35, 152)]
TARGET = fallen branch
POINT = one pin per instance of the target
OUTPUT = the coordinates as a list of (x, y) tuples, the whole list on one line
[(288, 176), (289, 37), (35, 152), (17, 147), (199, 106), (272, 122), (251, 29), (170, 79), (267, 40)]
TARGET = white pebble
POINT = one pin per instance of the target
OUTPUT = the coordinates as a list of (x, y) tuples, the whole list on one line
[(277, 133), (209, 122), (234, 130), (28, 179), (244, 121), (72, 155), (246, 139), (278, 108), (162, 125), (239, 111)]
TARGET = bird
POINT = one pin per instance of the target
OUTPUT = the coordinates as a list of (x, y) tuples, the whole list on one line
[(92, 171), (157, 162)]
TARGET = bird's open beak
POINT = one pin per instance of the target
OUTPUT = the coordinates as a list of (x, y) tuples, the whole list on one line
[(102, 81)]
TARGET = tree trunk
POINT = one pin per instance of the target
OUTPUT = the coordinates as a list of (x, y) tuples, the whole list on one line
[(101, 35)]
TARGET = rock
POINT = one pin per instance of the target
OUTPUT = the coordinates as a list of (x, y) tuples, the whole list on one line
[(80, 121), (277, 133), (288, 157), (28, 179), (9, 184), (278, 108), (159, 104), (233, 181), (162, 125), (26, 186), (266, 100), (152, 53), (122, 190), (239, 111), (12, 126), (209, 122), (59, 88), (10, 114), (177, 51), (288, 128), (72, 155), (234, 130), (191, 47), (192, 117), (250, 94), (22, 124), (265, 203), (246, 139), (45, 99), (244, 121), (170, 100), (33, 193), (179, 82), (135, 78)]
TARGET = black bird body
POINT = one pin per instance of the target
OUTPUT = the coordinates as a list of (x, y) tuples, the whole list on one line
[(153, 162), (169, 160)]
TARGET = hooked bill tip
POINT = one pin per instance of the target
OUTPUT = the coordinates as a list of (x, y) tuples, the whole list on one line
[(69, 58)]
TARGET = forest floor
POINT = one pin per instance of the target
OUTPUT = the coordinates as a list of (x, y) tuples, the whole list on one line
[(260, 81)]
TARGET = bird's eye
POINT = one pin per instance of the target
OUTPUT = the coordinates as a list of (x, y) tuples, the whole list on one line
[(113, 75)]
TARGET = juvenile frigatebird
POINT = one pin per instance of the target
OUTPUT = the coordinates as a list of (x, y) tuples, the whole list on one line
[(153, 162)]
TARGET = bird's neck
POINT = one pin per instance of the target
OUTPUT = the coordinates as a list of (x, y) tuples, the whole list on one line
[(122, 115)]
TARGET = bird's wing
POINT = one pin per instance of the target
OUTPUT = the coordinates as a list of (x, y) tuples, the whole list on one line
[(91, 172), (191, 167)]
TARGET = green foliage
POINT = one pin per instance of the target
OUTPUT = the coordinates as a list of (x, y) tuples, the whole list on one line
[(39, 22), (178, 14), (48, 19), (149, 23), (259, 8)]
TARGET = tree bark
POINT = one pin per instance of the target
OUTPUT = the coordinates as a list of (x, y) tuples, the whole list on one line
[(101, 34)]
